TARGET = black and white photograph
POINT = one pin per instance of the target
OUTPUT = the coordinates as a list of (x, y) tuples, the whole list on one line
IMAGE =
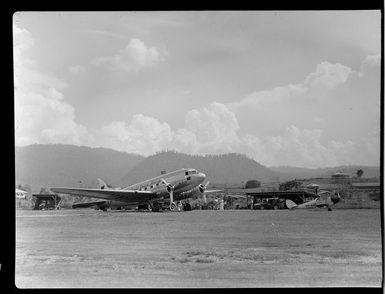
[(198, 149)]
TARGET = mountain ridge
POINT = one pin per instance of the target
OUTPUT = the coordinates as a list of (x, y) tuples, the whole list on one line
[(230, 168), (48, 165)]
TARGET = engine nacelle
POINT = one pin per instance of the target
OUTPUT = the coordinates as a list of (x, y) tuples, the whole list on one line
[(169, 187)]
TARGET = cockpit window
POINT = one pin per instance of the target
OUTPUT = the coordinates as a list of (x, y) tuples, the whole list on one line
[(192, 172)]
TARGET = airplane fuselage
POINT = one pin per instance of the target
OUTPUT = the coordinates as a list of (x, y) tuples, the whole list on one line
[(183, 180)]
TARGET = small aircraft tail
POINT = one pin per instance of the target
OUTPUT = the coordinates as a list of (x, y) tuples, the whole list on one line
[(290, 204), (102, 184)]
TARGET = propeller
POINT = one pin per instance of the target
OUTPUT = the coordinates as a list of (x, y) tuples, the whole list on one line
[(168, 186), (170, 189), (202, 189)]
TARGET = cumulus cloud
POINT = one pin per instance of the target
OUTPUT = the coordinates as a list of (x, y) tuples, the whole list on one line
[(22, 41), (134, 57), (214, 129), (144, 135), (341, 101), (296, 147), (328, 75), (370, 63), (266, 125), (268, 97), (41, 113), (318, 100)]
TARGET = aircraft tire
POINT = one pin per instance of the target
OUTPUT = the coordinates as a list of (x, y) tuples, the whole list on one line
[(275, 207), (261, 207), (173, 207)]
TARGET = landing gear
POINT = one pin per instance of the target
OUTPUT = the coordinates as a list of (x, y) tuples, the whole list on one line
[(173, 206)]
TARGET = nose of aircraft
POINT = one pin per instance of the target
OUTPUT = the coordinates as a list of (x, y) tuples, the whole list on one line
[(201, 176)]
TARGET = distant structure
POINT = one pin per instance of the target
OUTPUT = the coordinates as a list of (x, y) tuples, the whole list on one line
[(341, 178), (20, 194), (313, 188), (46, 201)]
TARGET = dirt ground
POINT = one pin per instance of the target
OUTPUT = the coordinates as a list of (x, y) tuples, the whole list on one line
[(230, 248)]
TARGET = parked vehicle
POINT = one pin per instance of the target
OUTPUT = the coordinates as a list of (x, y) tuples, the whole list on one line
[(270, 203)]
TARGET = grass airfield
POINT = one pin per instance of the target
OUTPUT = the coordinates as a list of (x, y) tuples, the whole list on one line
[(209, 248)]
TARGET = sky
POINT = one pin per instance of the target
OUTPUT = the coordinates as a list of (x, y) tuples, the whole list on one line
[(299, 88)]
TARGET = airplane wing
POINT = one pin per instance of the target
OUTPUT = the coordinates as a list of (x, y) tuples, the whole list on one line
[(108, 194), (213, 191)]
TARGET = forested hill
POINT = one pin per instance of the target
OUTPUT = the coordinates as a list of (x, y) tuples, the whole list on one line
[(41, 165), (52, 165), (231, 169)]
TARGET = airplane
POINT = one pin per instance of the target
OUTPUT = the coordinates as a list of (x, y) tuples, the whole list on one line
[(152, 193), (323, 199)]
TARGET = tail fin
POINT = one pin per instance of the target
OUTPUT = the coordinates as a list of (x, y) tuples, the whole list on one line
[(102, 184), (290, 204)]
